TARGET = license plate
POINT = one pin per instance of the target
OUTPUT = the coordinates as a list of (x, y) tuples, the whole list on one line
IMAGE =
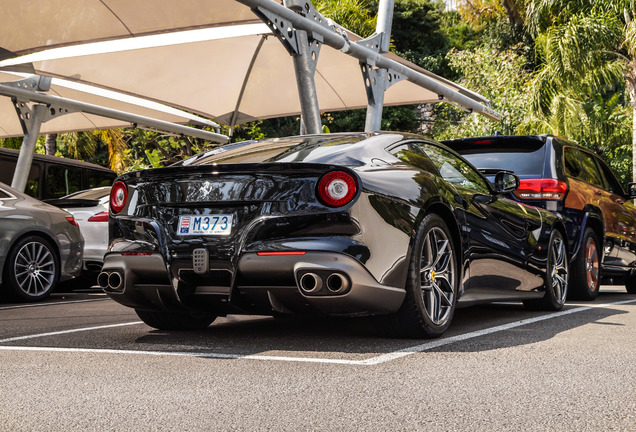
[(220, 224)]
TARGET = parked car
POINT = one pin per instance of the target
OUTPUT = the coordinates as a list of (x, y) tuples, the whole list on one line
[(353, 224), (90, 209), (40, 245), (576, 183)]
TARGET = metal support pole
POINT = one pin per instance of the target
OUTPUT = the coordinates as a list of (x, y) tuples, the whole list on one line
[(380, 82), (384, 23), (23, 166), (305, 66), (331, 38), (375, 104)]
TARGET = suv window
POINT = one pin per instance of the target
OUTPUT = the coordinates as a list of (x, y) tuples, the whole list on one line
[(591, 171), (524, 157), (573, 163), (612, 184)]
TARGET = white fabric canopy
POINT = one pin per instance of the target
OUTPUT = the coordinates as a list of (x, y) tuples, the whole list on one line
[(10, 124), (34, 25), (232, 69)]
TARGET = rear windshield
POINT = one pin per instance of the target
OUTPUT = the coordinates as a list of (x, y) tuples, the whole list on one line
[(292, 149), (524, 158)]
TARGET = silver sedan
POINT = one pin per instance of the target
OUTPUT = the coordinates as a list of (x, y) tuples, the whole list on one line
[(90, 209), (40, 245)]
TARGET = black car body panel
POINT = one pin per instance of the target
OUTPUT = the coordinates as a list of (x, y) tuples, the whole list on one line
[(284, 239)]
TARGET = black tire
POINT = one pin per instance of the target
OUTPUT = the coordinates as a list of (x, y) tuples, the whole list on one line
[(585, 277), (432, 283), (556, 278), (32, 269), (175, 321), (630, 284)]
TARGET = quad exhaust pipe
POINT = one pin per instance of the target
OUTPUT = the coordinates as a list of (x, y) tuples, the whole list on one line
[(312, 283), (110, 280), (337, 283)]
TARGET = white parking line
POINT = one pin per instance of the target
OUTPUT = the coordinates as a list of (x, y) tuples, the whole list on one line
[(39, 335), (30, 305), (383, 358)]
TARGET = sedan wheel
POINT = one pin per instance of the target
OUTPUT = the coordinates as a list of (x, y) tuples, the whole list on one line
[(32, 269), (431, 290)]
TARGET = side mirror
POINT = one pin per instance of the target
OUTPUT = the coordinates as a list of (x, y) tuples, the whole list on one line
[(506, 181), (631, 190)]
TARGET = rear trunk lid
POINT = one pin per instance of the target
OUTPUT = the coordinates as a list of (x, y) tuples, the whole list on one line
[(244, 201)]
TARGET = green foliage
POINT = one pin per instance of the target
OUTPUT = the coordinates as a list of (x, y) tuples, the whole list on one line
[(354, 15), (274, 127), (417, 26), (11, 143), (461, 35), (498, 75), (417, 34), (586, 52)]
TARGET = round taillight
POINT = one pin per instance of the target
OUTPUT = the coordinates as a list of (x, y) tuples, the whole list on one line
[(337, 188), (118, 196)]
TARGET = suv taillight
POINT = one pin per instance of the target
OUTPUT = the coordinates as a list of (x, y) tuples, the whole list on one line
[(541, 189), (118, 196)]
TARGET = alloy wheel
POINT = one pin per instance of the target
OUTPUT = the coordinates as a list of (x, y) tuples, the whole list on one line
[(591, 263), (437, 276), (559, 270), (34, 269)]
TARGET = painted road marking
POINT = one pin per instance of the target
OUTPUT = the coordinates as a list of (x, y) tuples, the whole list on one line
[(30, 305), (39, 335), (383, 358)]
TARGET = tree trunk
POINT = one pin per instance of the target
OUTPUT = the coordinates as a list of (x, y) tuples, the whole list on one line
[(50, 144), (514, 16)]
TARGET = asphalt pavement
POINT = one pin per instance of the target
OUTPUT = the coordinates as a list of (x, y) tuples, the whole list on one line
[(79, 361)]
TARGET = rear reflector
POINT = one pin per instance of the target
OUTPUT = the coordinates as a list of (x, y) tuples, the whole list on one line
[(541, 189)]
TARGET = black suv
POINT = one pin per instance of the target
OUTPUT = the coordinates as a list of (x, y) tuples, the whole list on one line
[(566, 178)]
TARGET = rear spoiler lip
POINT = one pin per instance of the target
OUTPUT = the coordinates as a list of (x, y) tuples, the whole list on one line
[(270, 168), (71, 202)]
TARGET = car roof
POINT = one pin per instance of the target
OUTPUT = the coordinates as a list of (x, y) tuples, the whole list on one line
[(359, 145), (498, 139)]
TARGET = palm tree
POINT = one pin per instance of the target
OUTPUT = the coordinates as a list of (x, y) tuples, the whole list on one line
[(587, 48), (83, 146)]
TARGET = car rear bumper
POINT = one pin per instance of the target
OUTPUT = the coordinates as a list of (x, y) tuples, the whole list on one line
[(324, 282)]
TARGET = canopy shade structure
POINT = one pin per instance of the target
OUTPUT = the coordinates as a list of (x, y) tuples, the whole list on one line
[(231, 68), (42, 24), (10, 125)]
